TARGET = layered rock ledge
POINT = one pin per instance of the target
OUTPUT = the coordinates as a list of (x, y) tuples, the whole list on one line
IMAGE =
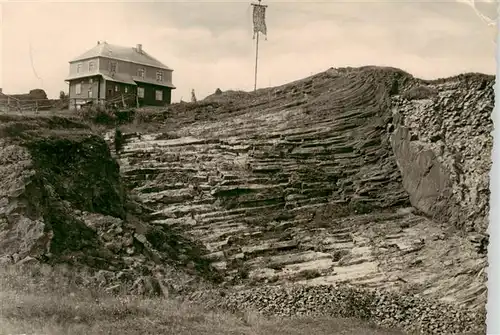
[(317, 181), (363, 189)]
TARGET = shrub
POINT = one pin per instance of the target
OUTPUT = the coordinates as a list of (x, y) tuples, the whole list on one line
[(62, 95), (97, 115)]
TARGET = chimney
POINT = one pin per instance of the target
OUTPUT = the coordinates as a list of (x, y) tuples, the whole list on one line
[(139, 48), (98, 42)]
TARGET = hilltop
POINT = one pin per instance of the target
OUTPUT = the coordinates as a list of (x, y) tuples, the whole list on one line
[(356, 192)]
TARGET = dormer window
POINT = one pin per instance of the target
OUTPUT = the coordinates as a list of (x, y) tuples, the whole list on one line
[(141, 73), (159, 76), (79, 67)]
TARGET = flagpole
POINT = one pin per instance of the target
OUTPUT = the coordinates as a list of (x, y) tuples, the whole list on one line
[(256, 60), (257, 31)]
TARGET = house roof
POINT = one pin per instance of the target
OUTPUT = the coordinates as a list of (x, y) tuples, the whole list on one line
[(152, 81), (83, 75), (120, 78), (128, 54)]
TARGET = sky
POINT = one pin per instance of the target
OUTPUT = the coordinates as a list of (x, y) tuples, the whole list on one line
[(209, 44)]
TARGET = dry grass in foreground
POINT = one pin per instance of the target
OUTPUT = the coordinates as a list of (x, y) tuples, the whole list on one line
[(45, 302)]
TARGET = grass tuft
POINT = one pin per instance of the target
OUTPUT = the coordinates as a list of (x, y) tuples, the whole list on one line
[(45, 300)]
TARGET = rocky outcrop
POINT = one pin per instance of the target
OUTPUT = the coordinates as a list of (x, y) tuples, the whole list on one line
[(443, 144), (426, 181), (251, 177), (311, 183), (62, 201), (349, 178)]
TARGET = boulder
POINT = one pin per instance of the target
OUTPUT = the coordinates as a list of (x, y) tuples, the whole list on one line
[(424, 178)]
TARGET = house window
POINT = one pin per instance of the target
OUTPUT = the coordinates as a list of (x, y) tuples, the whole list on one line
[(140, 92), (159, 76), (90, 93), (126, 89), (112, 66), (159, 95), (78, 88), (79, 67), (91, 66), (141, 73), (117, 88)]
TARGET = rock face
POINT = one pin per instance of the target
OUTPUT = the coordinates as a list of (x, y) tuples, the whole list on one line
[(443, 144), (344, 185), (311, 182), (62, 201), (424, 178)]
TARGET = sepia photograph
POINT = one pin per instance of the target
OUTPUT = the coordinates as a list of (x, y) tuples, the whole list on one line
[(247, 167)]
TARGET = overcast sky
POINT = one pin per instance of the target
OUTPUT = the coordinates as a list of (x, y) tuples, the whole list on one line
[(209, 44)]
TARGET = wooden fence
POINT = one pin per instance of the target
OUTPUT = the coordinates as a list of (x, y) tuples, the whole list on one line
[(9, 103), (124, 101)]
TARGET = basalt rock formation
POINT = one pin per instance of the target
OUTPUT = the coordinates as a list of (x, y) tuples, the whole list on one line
[(62, 202), (356, 192), (349, 176), (442, 142)]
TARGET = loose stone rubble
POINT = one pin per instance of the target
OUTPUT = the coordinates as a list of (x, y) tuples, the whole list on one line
[(392, 310)]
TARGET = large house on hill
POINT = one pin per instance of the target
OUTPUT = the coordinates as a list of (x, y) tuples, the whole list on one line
[(112, 73)]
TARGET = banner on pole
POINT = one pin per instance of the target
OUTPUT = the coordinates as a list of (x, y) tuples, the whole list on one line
[(259, 20)]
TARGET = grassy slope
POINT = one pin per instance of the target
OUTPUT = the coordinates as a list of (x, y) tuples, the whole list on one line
[(52, 304)]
